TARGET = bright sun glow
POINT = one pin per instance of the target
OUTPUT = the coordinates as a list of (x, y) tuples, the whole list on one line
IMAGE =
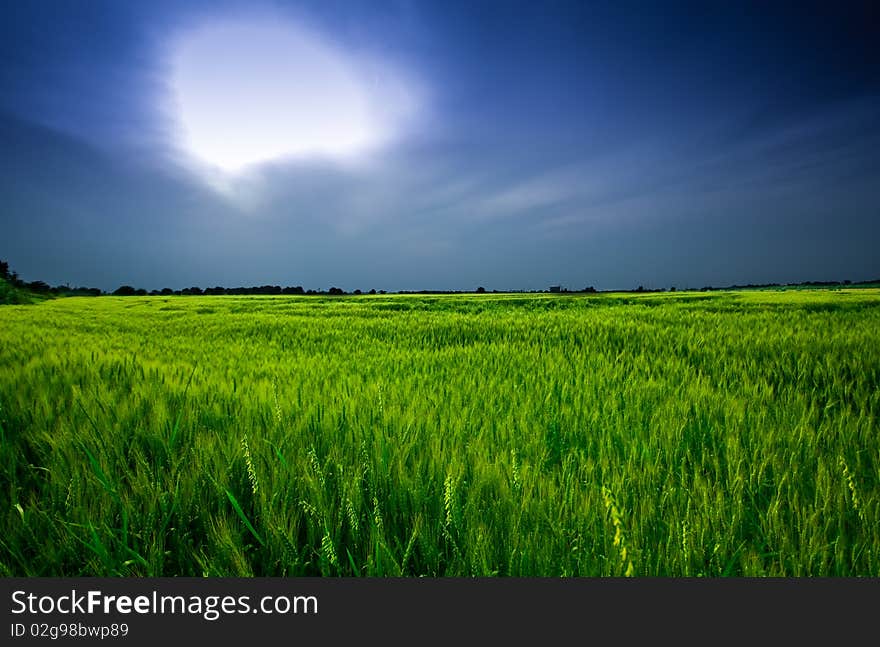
[(245, 93)]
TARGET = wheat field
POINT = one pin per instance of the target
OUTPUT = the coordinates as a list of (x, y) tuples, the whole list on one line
[(677, 434)]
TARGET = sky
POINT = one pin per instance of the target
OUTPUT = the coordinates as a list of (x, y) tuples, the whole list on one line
[(410, 145)]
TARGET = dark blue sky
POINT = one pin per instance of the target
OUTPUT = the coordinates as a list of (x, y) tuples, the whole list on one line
[(512, 145)]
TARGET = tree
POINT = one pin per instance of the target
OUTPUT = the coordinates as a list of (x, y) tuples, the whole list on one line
[(38, 286), (124, 291), (4, 270), (481, 290)]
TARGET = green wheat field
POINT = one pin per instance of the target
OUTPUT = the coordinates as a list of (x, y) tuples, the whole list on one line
[(677, 434)]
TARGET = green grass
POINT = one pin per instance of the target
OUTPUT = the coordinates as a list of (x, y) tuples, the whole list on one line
[(686, 434)]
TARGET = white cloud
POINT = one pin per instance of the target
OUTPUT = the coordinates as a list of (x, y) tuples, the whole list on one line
[(242, 93)]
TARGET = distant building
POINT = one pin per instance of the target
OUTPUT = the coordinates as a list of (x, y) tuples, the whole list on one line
[(556, 288)]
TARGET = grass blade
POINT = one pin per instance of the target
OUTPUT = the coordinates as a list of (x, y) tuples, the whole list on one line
[(243, 517)]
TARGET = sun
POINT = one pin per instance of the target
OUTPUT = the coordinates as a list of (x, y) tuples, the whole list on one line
[(249, 92)]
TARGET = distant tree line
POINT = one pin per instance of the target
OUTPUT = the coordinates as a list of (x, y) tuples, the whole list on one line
[(127, 290), (43, 288)]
